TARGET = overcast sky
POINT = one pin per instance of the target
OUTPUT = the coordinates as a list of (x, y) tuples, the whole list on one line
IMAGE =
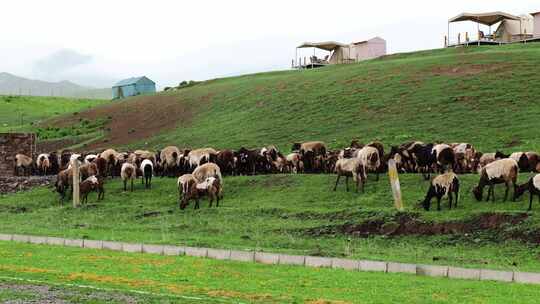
[(98, 42)]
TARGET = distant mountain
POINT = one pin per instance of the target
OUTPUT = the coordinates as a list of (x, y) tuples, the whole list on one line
[(15, 85)]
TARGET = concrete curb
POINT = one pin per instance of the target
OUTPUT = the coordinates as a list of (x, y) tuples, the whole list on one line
[(284, 259)]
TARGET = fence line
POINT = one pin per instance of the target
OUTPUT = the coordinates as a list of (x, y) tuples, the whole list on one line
[(285, 259)]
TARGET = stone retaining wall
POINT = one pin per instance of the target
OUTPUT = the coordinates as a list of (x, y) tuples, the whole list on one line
[(11, 144), (283, 259)]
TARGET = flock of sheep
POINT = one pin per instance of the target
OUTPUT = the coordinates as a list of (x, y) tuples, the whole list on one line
[(200, 170)]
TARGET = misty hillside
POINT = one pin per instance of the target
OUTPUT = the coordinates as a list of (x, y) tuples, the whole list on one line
[(15, 85)]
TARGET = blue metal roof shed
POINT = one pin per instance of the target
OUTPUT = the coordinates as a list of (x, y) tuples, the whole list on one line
[(133, 86)]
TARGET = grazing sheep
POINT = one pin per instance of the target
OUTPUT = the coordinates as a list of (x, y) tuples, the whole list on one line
[(309, 151), (43, 163), (88, 185), (88, 170), (101, 164), (465, 157), (498, 172), (369, 156), (111, 156), (522, 160), (488, 158), (534, 161), (64, 180), (225, 161), (187, 190), (351, 167), (63, 159), (294, 161), (246, 161), (202, 172), (442, 185), (169, 160), (418, 157), (198, 157), (533, 186), (128, 172), (379, 146), (443, 157), (24, 163), (147, 169)]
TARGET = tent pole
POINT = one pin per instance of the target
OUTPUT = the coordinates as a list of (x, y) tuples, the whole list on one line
[(448, 33), (478, 32), (313, 58), (296, 57)]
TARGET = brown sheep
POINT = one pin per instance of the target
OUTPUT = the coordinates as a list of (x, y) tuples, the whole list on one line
[(24, 163), (88, 185), (128, 172), (189, 188), (170, 160), (351, 167), (498, 172)]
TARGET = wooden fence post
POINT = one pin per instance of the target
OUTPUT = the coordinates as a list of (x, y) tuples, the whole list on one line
[(75, 167), (394, 182)]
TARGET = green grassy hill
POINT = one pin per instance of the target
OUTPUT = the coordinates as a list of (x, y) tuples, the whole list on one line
[(20, 113), (483, 95)]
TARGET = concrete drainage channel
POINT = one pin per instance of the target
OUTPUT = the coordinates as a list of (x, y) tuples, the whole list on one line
[(284, 259)]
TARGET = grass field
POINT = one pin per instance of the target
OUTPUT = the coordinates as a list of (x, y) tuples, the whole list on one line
[(482, 95), (288, 213), (22, 113), (235, 282)]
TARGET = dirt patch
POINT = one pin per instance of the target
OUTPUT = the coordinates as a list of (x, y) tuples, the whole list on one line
[(410, 224), (468, 69), (31, 293), (136, 119), (12, 184)]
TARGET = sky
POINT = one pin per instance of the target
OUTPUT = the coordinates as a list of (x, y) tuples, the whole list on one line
[(97, 43)]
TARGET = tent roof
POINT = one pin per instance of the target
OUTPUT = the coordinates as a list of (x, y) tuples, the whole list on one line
[(130, 81), (327, 45), (484, 18), (536, 13)]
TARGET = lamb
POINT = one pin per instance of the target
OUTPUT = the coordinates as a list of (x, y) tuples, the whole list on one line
[(128, 172), (88, 170), (533, 186), (43, 163), (169, 160), (189, 188), (64, 180), (24, 163), (147, 169), (443, 185), (369, 156), (351, 167), (201, 156), (88, 185), (498, 172)]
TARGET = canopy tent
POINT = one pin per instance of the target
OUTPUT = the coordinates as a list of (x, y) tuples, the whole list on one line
[(327, 46), (488, 19)]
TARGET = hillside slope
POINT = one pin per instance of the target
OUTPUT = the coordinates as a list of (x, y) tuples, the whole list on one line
[(483, 95)]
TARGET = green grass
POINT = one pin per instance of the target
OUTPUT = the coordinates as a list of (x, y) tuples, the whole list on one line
[(24, 113), (482, 95), (235, 282), (273, 213)]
